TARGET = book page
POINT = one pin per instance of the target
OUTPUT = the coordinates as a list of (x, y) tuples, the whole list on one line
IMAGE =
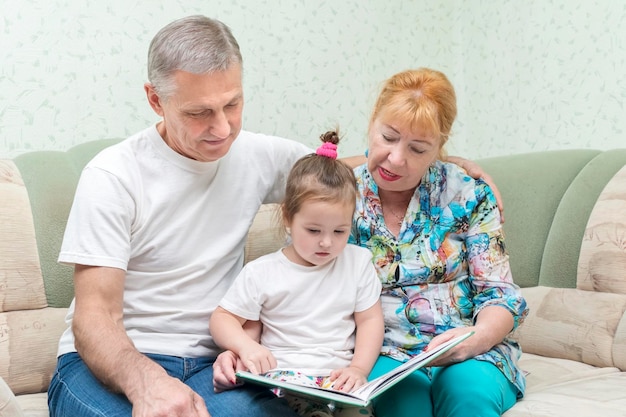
[(364, 394), (379, 385)]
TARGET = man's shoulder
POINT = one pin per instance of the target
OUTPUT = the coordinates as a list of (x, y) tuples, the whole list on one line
[(122, 159), (127, 147), (261, 141)]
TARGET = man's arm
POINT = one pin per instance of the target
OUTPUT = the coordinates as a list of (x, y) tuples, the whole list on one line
[(102, 342), (475, 171), (354, 161)]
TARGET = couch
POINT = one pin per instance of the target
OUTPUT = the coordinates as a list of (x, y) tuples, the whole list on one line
[(565, 224)]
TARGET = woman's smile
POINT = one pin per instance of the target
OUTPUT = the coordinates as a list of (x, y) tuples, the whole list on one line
[(387, 175)]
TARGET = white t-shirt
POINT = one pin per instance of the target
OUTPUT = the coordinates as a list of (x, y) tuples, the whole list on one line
[(177, 226), (307, 312)]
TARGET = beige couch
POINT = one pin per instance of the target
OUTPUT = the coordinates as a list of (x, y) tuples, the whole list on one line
[(566, 234)]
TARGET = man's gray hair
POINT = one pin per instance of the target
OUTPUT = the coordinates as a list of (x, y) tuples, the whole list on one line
[(195, 44)]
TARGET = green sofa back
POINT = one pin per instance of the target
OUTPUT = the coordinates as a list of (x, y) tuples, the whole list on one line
[(548, 197)]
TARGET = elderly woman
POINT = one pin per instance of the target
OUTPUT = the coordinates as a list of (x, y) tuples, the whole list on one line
[(438, 246)]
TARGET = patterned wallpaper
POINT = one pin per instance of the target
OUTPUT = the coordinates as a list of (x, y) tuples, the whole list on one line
[(530, 75)]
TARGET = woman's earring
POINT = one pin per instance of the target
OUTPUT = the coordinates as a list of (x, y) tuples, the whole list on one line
[(288, 230)]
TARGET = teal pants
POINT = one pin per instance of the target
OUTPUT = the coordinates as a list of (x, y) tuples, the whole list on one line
[(471, 388)]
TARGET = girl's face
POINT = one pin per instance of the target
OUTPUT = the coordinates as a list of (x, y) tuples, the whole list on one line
[(398, 157), (319, 232)]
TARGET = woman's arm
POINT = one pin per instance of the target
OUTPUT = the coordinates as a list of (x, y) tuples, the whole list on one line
[(499, 306)]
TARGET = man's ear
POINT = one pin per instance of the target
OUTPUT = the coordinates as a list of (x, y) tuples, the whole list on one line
[(153, 98)]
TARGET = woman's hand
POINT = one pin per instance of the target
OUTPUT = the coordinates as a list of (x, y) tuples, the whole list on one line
[(493, 324), (467, 349)]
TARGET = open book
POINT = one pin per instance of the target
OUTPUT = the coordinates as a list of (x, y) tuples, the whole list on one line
[(363, 395)]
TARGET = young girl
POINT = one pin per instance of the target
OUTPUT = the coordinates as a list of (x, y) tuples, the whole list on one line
[(317, 298)]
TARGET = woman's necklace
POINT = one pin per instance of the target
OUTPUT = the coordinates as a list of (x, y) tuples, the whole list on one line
[(399, 219), (401, 203)]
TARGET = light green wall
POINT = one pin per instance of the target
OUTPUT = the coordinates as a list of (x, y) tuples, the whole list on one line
[(544, 74), (530, 75)]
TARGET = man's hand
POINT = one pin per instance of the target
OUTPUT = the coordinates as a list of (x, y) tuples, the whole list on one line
[(475, 171), (167, 397), (224, 368)]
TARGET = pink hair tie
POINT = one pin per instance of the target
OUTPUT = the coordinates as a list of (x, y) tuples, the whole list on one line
[(328, 150)]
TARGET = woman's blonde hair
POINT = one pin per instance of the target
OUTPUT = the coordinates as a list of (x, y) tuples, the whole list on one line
[(423, 98)]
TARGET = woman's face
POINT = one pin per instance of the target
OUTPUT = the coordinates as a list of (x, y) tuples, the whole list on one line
[(398, 157)]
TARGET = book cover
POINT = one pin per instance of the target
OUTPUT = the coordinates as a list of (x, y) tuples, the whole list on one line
[(363, 395)]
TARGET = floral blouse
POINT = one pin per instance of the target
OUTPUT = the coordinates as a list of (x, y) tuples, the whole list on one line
[(448, 263)]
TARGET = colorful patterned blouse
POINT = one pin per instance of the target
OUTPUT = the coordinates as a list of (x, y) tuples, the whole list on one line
[(447, 263)]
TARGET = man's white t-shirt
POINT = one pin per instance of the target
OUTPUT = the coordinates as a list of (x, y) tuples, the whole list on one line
[(177, 226), (307, 312)]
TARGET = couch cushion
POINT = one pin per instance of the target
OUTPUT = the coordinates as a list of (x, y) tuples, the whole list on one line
[(29, 345), (572, 324), (264, 235), (602, 262), (9, 407), (34, 405), (561, 387)]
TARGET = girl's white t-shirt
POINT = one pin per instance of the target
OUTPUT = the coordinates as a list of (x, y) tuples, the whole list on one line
[(307, 312)]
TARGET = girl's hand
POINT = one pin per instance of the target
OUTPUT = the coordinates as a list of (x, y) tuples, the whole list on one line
[(347, 379), (257, 358)]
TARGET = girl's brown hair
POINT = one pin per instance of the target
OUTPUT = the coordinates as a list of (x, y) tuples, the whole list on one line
[(318, 178)]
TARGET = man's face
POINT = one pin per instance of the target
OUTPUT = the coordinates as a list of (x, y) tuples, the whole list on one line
[(202, 118)]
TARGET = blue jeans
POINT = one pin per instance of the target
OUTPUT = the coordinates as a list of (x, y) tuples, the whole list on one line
[(74, 391), (472, 387)]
